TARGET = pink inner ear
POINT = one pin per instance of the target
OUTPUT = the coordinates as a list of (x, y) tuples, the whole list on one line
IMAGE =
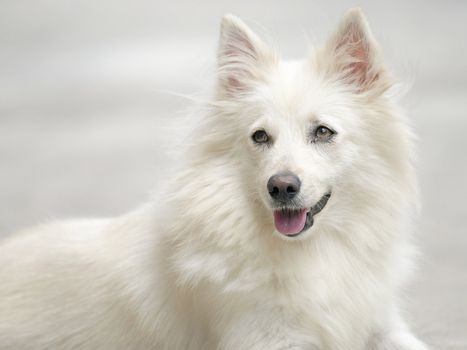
[(238, 57), (242, 58), (359, 68), (234, 84), (238, 45), (356, 56)]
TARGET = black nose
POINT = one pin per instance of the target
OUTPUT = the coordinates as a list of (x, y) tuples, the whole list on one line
[(283, 186)]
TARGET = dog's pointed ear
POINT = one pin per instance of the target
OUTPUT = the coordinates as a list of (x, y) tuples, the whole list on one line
[(240, 56), (354, 55)]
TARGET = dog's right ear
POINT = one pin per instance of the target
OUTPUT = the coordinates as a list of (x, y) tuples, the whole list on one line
[(241, 56)]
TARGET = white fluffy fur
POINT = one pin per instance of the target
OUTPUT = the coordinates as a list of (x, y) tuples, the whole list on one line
[(204, 268)]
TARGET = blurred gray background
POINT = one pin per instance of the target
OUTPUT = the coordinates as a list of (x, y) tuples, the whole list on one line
[(85, 121)]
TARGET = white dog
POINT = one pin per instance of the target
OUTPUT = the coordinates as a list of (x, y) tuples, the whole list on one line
[(288, 227)]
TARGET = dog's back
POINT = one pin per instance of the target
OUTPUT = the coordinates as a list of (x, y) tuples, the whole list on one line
[(58, 290)]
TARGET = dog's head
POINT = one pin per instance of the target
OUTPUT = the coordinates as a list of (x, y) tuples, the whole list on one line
[(310, 132)]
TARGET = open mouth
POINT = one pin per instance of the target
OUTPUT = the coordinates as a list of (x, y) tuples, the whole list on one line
[(291, 222)]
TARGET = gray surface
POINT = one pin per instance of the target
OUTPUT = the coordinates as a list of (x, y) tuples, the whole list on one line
[(83, 120)]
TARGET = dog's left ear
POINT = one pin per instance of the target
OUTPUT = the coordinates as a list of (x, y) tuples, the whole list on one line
[(242, 56), (354, 54)]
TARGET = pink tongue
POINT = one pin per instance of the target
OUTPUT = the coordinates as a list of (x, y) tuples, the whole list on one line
[(290, 222)]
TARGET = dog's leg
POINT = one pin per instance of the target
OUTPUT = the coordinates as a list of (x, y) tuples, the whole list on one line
[(396, 341), (397, 336), (265, 331), (263, 340)]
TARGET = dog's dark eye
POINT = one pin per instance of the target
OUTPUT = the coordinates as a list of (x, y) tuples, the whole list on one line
[(260, 136), (323, 134)]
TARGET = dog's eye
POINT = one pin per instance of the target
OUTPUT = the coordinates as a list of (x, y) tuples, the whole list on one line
[(260, 136), (323, 134)]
